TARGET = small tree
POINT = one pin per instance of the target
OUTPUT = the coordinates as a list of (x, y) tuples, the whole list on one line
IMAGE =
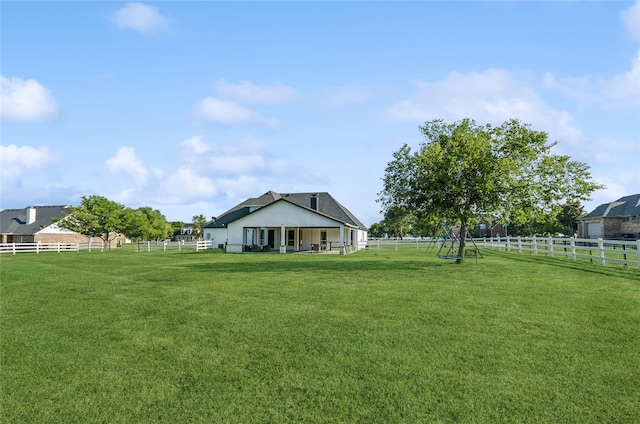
[(464, 170), (98, 217), (199, 221), (137, 226)]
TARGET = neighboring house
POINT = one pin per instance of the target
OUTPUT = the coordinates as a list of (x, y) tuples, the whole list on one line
[(289, 222), (615, 220), (186, 233), (35, 224), (490, 229)]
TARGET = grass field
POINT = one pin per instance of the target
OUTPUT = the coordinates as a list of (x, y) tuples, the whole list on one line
[(377, 336)]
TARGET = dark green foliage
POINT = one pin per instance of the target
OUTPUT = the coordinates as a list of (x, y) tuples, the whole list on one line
[(464, 171)]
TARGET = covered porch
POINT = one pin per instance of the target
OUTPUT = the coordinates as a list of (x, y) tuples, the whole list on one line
[(285, 239)]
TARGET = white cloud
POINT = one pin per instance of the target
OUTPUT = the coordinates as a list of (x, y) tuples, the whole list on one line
[(25, 100), (186, 185), (492, 96), (228, 113), (16, 161), (247, 93), (203, 172), (631, 20), (230, 104), (195, 145), (126, 160), (142, 18), (623, 89)]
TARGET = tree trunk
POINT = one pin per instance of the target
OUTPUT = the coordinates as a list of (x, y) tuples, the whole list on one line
[(463, 240)]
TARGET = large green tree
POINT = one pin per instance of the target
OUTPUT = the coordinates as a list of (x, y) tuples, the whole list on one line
[(158, 228), (97, 216), (463, 170)]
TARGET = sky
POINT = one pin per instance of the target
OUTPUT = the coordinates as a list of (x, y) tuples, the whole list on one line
[(193, 107)]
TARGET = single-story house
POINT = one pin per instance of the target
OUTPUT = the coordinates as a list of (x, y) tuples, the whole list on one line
[(287, 222), (616, 220), (35, 224)]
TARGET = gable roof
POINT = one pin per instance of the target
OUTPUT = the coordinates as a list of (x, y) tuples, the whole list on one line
[(325, 205), (628, 206), (14, 221)]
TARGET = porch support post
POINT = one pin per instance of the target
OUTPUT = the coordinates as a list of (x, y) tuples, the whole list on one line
[(342, 239), (283, 241)]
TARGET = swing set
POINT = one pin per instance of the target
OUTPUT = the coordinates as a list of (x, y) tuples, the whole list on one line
[(450, 245)]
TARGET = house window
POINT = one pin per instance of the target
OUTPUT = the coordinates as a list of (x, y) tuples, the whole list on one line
[(290, 237), (483, 226)]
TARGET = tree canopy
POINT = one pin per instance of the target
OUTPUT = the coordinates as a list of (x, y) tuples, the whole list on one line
[(199, 221), (463, 171), (97, 216)]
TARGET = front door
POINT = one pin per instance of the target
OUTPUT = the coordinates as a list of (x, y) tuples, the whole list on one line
[(272, 239)]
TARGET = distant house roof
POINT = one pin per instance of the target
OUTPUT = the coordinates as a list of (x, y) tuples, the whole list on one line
[(30, 220), (324, 204), (628, 206)]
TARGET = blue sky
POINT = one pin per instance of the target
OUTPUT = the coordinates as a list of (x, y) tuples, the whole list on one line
[(192, 107)]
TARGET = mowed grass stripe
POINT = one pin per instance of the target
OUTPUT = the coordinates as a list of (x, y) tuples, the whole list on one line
[(376, 336)]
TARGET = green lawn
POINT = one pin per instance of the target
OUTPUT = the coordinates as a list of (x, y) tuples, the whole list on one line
[(377, 336)]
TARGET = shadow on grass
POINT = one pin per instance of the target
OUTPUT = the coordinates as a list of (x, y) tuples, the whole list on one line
[(614, 270), (319, 263)]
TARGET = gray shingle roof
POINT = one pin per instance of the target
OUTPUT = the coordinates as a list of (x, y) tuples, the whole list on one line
[(14, 221), (627, 206), (326, 205)]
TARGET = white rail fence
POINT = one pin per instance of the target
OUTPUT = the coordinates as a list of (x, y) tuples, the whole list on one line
[(99, 246), (597, 251)]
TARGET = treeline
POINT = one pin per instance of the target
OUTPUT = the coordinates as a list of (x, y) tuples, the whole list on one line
[(399, 223), (99, 217)]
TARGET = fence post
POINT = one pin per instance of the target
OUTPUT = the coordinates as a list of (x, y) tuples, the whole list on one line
[(519, 244), (148, 246), (499, 243), (14, 248), (550, 246), (58, 247), (572, 243), (102, 247), (416, 244), (535, 246), (164, 247), (601, 251), (508, 244), (638, 253), (38, 248)]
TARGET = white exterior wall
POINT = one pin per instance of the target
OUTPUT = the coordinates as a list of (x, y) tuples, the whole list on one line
[(216, 235), (308, 227), (276, 215), (54, 229)]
